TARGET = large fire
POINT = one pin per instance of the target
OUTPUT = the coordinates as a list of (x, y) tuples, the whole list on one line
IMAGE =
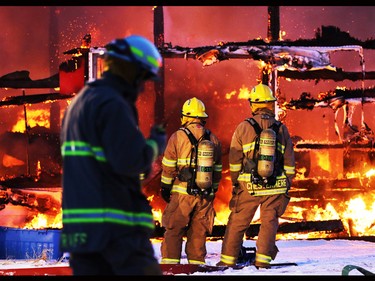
[(40, 209)]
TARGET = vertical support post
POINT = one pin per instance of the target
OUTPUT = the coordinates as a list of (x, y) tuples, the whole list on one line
[(159, 85), (273, 34), (27, 137), (54, 66)]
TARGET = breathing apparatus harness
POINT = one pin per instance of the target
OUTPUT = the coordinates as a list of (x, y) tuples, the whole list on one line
[(266, 157), (194, 170)]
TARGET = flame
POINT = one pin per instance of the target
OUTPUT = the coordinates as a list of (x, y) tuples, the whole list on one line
[(356, 214), (370, 173), (319, 214), (38, 171), (300, 173), (42, 221), (35, 117), (221, 217), (243, 93), (157, 214), (323, 161), (10, 161), (359, 218)]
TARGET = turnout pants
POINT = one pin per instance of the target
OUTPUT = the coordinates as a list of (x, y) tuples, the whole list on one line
[(243, 207), (188, 215), (124, 256)]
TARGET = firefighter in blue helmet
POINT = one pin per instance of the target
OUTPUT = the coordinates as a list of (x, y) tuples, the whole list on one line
[(107, 221), (257, 182)]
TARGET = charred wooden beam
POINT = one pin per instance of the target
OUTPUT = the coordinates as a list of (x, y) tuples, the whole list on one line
[(253, 230), (30, 99), (273, 31), (302, 146), (333, 99), (44, 180), (326, 74), (335, 226), (21, 80), (327, 36), (159, 85)]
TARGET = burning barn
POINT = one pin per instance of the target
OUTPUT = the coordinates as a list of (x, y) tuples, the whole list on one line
[(333, 194)]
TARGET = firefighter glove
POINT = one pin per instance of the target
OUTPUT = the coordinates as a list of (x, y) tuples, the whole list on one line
[(159, 136), (185, 174), (235, 188), (207, 192), (166, 192)]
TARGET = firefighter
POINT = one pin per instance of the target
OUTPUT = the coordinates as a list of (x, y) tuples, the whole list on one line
[(189, 211), (107, 221), (248, 195)]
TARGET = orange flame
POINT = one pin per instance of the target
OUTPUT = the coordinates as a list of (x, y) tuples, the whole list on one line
[(39, 117), (43, 221), (243, 93)]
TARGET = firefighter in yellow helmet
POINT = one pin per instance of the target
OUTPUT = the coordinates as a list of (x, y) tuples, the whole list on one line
[(259, 179), (191, 172)]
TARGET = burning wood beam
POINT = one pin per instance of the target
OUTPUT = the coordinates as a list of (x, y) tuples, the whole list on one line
[(333, 99), (280, 56), (306, 145), (300, 54), (30, 99), (325, 74)]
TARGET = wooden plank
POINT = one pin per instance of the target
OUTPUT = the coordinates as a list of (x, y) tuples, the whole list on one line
[(295, 227)]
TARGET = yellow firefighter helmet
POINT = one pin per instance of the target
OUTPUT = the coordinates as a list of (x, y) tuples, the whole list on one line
[(261, 94), (194, 108)]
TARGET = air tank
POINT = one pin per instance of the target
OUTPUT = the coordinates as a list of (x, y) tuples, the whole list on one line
[(205, 162), (267, 147)]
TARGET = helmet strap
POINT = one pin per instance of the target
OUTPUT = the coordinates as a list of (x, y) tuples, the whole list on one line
[(191, 120)]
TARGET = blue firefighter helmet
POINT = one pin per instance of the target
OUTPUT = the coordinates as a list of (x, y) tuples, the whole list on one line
[(138, 50)]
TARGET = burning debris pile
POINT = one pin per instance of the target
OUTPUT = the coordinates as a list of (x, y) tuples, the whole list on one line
[(345, 99), (30, 208)]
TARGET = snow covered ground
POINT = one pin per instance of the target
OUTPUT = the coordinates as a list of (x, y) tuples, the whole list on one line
[(314, 257)]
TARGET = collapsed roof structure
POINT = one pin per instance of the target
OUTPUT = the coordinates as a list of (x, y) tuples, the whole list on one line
[(302, 59)]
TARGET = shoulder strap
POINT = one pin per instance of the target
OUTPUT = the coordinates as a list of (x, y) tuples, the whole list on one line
[(255, 125), (206, 134), (190, 135), (276, 126)]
